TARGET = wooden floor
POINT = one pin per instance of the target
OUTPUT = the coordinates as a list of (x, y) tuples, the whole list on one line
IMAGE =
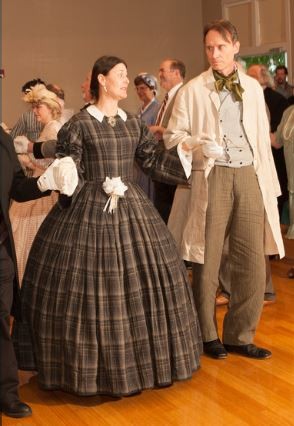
[(235, 391)]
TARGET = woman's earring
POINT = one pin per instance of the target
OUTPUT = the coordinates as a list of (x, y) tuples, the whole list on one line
[(105, 88)]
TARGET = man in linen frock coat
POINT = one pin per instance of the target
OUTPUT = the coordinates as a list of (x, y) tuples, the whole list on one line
[(221, 116)]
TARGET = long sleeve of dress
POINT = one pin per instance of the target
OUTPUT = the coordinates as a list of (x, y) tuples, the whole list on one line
[(161, 164)]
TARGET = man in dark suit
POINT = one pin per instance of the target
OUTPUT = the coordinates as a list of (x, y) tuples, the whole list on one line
[(171, 76), (276, 104), (13, 185)]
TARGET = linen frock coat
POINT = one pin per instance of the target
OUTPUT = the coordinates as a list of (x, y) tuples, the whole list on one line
[(196, 113)]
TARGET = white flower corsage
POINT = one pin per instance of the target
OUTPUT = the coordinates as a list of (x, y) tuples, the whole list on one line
[(115, 188)]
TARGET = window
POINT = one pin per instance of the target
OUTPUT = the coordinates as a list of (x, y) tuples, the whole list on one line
[(271, 60)]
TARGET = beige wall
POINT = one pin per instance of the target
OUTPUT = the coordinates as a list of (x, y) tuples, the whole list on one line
[(59, 40), (211, 10)]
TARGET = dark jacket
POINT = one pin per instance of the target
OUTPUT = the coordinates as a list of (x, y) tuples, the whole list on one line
[(14, 185), (276, 104)]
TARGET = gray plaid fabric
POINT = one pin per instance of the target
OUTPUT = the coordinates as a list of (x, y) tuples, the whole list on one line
[(106, 299)]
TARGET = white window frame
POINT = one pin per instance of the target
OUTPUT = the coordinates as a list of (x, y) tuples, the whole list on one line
[(267, 48)]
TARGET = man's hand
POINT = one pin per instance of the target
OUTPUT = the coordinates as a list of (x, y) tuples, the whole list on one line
[(212, 150), (157, 131)]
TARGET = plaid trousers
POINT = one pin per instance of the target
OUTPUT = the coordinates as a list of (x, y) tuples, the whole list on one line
[(235, 210)]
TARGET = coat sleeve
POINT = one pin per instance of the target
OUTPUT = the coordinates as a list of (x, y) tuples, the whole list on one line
[(22, 187), (286, 122), (70, 143), (46, 149), (179, 125)]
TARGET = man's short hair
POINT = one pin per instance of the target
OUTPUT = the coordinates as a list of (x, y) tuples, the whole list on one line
[(282, 67), (223, 27), (176, 64)]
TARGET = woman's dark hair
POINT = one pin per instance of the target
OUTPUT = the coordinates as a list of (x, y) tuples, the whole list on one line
[(224, 28), (102, 66), (176, 64)]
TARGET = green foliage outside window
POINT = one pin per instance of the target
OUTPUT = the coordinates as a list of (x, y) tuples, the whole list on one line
[(271, 60)]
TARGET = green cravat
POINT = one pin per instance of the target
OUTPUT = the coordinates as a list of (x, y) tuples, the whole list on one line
[(231, 83)]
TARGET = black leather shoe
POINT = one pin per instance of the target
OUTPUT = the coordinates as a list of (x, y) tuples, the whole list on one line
[(16, 409), (291, 273), (215, 349), (250, 351)]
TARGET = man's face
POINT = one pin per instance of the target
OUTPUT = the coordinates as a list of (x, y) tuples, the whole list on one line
[(145, 93), (167, 76), (280, 76), (220, 52)]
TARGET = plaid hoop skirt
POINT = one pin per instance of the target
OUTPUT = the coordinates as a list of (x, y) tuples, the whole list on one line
[(106, 303)]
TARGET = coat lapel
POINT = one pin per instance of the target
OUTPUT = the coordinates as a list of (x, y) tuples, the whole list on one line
[(209, 82), (248, 119)]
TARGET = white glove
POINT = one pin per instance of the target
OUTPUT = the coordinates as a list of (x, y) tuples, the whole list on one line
[(212, 150), (21, 144), (61, 176)]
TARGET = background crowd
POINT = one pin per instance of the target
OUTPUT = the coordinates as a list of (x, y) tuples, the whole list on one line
[(136, 295)]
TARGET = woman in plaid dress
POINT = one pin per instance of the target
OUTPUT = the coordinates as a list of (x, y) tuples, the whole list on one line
[(107, 306)]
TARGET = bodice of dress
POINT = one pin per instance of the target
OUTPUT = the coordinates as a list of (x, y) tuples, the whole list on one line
[(108, 148), (101, 149)]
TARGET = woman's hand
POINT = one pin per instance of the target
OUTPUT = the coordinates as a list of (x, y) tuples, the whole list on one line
[(274, 142), (157, 131)]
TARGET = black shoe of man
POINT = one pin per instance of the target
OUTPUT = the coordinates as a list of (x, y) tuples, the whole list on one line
[(16, 409), (291, 273), (215, 349), (250, 351)]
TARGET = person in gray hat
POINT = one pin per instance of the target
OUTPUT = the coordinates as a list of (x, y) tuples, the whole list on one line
[(146, 87)]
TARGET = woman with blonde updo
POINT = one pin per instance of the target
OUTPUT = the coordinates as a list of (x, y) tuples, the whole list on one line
[(146, 87), (27, 217)]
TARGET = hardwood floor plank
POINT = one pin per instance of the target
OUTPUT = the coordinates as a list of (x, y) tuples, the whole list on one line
[(236, 392)]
